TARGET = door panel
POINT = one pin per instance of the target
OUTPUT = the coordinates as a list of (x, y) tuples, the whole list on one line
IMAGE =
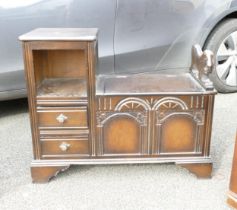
[(18, 17), (178, 135), (158, 34), (179, 132), (122, 133)]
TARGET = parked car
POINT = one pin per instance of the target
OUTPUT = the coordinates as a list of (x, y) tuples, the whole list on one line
[(135, 35)]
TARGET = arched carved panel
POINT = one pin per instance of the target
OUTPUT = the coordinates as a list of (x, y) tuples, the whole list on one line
[(179, 132), (141, 104), (132, 104), (170, 103), (122, 133)]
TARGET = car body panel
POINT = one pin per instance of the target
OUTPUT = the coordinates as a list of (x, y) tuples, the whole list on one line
[(158, 35), (18, 17), (135, 35)]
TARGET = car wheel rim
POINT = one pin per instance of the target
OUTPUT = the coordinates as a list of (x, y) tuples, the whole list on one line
[(227, 60)]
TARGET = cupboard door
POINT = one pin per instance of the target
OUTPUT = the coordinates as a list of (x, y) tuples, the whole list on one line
[(121, 133), (179, 132)]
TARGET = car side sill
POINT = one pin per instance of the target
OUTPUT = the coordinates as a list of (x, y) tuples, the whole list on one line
[(12, 94)]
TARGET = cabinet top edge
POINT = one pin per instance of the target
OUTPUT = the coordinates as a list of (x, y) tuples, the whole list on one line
[(60, 34), (149, 83)]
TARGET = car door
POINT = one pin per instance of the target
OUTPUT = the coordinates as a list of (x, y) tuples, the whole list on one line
[(19, 16), (155, 35)]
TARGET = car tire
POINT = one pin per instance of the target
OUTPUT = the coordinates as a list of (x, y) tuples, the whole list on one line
[(224, 75)]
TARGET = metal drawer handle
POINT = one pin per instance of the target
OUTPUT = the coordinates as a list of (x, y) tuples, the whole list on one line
[(64, 146), (61, 118)]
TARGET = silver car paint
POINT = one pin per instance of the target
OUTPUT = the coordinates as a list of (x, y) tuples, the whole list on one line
[(18, 18), (158, 35), (135, 35)]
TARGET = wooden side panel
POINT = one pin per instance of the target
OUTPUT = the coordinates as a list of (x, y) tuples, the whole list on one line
[(31, 90), (40, 65), (92, 64), (209, 107), (232, 194), (233, 180)]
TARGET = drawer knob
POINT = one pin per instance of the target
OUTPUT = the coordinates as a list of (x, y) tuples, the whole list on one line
[(64, 146), (61, 118)]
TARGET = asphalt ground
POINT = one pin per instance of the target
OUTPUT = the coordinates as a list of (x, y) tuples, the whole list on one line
[(133, 187)]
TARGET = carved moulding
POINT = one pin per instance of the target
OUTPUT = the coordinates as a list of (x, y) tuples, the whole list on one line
[(140, 117), (170, 103), (132, 103), (198, 116), (152, 104)]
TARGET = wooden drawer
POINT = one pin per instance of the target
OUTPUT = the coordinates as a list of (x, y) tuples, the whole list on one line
[(64, 147), (60, 117), (55, 133)]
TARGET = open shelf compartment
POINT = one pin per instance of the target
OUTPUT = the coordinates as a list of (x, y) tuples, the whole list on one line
[(60, 73)]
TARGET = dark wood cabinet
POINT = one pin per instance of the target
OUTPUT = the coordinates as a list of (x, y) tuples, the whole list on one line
[(80, 118), (232, 194), (159, 125)]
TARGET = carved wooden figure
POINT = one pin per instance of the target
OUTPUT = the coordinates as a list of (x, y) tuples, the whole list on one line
[(79, 118), (202, 65)]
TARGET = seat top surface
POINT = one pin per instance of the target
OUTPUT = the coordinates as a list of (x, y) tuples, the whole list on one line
[(148, 83)]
